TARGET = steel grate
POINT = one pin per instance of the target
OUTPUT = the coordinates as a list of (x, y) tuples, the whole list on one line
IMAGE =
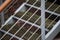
[(25, 22)]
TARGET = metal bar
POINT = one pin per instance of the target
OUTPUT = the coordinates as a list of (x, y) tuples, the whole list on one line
[(11, 34), (38, 37), (45, 10), (2, 15), (4, 4), (53, 32), (43, 19), (51, 4), (33, 33), (2, 18)]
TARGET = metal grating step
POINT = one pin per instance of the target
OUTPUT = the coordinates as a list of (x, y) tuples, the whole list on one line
[(25, 22)]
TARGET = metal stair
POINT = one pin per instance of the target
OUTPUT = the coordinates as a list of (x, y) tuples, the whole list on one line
[(26, 27)]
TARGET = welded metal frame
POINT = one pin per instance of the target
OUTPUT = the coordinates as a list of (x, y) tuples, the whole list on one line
[(42, 18), (43, 10)]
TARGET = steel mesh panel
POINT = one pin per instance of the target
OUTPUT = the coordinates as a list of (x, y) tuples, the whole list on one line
[(26, 24)]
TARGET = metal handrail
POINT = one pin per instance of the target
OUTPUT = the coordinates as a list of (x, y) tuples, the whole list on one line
[(4, 5)]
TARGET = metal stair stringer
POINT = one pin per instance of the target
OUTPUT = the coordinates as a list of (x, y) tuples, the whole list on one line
[(53, 32)]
